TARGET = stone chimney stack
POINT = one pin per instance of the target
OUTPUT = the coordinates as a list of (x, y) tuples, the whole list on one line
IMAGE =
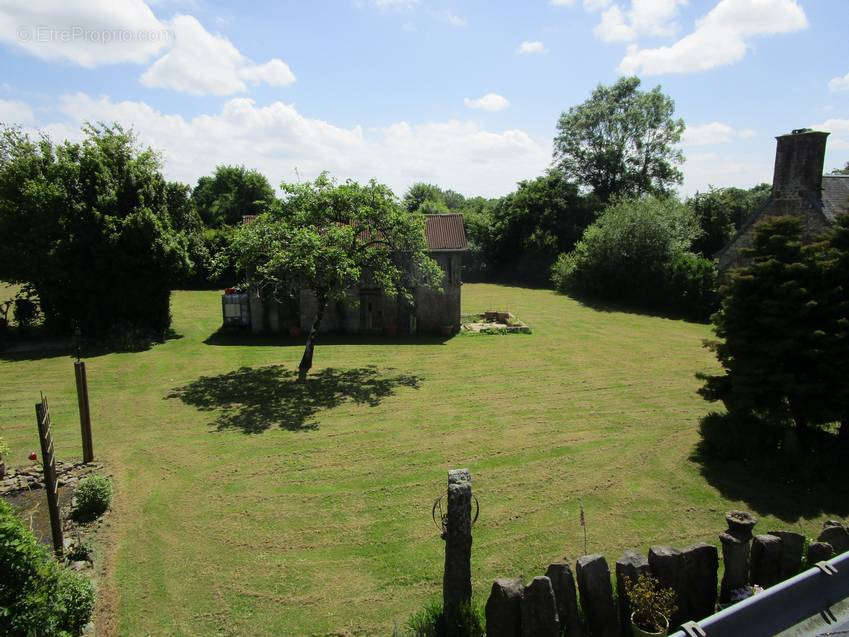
[(799, 159)]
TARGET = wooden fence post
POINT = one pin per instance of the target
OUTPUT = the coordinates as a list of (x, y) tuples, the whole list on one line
[(85, 413), (51, 482)]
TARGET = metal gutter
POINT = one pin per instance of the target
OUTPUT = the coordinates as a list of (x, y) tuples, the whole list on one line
[(815, 602)]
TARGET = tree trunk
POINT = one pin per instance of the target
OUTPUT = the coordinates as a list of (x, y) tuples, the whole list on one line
[(843, 434), (306, 359)]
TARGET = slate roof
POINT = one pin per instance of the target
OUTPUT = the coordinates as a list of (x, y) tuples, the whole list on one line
[(835, 195), (445, 232)]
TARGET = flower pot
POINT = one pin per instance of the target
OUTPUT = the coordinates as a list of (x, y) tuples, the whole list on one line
[(391, 330), (636, 631), (294, 331), (740, 523)]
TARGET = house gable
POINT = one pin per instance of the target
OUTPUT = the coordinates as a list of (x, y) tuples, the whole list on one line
[(798, 188)]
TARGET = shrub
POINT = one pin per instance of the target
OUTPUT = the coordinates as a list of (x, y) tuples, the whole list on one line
[(82, 550), (652, 605), (430, 622), (93, 496), (26, 312), (637, 253), (691, 286), (35, 591), (76, 596), (129, 337)]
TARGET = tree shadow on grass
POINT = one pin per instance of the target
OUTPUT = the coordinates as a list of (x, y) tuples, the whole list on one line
[(621, 307), (233, 337), (768, 489), (255, 399), (41, 345)]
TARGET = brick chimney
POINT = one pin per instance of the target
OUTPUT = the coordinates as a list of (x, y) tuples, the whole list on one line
[(799, 159)]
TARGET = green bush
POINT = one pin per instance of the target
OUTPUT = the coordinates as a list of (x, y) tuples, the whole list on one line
[(76, 595), (93, 496), (35, 591), (638, 253), (430, 622), (26, 312), (690, 285), (87, 227)]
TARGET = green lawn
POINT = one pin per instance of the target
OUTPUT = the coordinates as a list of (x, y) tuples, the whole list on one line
[(247, 504)]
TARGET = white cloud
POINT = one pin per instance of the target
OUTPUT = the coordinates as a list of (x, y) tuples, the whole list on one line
[(489, 102), (275, 138), (839, 83), (275, 72), (720, 37), (645, 17), (702, 170), (589, 5), (614, 26), (450, 18), (100, 32), (15, 113), (201, 63), (714, 133), (527, 47), (89, 34), (395, 4), (839, 129)]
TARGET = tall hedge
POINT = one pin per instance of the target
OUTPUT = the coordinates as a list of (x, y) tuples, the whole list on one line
[(88, 227)]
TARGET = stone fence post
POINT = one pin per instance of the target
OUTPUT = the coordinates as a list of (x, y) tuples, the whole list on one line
[(457, 577)]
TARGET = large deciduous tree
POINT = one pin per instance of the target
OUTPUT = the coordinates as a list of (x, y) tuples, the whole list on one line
[(621, 141), (89, 227), (531, 226), (328, 238), (230, 193)]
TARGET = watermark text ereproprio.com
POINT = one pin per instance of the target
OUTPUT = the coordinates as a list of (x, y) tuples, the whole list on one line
[(46, 33)]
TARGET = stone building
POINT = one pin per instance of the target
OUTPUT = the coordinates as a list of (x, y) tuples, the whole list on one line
[(798, 188), (365, 309)]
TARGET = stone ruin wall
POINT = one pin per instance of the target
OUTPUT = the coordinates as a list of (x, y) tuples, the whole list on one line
[(548, 605)]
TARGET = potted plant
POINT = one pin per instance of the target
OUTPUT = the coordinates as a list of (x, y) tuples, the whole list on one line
[(294, 331), (4, 451), (390, 329), (651, 606)]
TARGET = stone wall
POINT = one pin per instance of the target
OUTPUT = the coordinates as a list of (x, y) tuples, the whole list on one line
[(365, 309), (549, 604)]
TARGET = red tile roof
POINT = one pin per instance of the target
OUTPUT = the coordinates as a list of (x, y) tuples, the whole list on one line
[(445, 232)]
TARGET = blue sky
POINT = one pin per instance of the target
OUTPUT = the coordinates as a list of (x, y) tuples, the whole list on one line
[(462, 93)]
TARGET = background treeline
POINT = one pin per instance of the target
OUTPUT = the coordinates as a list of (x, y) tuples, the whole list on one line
[(97, 237)]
